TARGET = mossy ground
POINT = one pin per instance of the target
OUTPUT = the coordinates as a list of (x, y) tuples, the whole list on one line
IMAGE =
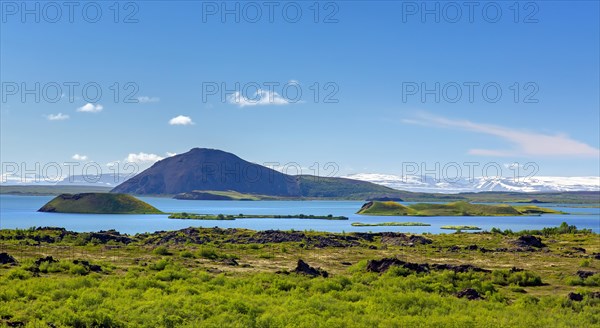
[(157, 282)]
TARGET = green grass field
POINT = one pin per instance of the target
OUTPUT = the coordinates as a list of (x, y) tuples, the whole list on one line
[(241, 278)]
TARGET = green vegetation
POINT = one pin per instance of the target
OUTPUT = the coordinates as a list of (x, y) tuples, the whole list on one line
[(450, 209), (98, 203), (460, 227), (530, 209), (386, 208), (564, 228), (192, 216), (391, 224), (228, 277)]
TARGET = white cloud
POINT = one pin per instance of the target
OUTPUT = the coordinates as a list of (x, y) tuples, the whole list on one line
[(90, 108), (260, 98), (525, 143), (57, 117), (181, 120), (141, 158), (78, 157), (146, 99)]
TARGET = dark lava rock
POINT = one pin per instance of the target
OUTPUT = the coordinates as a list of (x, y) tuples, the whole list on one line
[(384, 264), (346, 263), (515, 269), (48, 259), (585, 274), (304, 268), (470, 294), (529, 241), (458, 268), (364, 236), (453, 248), (333, 241), (231, 262), (276, 236), (472, 247), (578, 249), (111, 235), (575, 297), (596, 256), (400, 239), (419, 240), (6, 258), (88, 265)]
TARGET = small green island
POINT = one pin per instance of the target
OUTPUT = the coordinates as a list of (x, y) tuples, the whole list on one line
[(460, 227), (98, 203), (391, 208), (192, 216), (390, 224)]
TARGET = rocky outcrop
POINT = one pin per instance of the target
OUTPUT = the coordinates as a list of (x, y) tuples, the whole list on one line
[(6, 258), (48, 259), (88, 266), (385, 264), (303, 268), (575, 297), (400, 239), (585, 274), (459, 268), (470, 294), (529, 241)]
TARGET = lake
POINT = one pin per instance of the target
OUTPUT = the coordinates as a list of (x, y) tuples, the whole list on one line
[(21, 212)]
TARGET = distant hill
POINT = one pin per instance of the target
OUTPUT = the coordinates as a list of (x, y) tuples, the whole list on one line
[(45, 190), (215, 170), (98, 203)]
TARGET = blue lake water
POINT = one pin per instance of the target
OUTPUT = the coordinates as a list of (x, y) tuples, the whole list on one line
[(21, 212)]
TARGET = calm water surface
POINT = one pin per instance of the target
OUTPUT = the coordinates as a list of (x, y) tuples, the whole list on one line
[(21, 212)]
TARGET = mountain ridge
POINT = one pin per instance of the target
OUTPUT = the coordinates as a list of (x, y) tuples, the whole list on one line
[(202, 169)]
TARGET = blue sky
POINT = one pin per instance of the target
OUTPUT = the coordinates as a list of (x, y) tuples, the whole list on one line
[(365, 58)]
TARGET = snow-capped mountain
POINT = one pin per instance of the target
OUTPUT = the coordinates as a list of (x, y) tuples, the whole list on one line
[(104, 180), (531, 184)]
